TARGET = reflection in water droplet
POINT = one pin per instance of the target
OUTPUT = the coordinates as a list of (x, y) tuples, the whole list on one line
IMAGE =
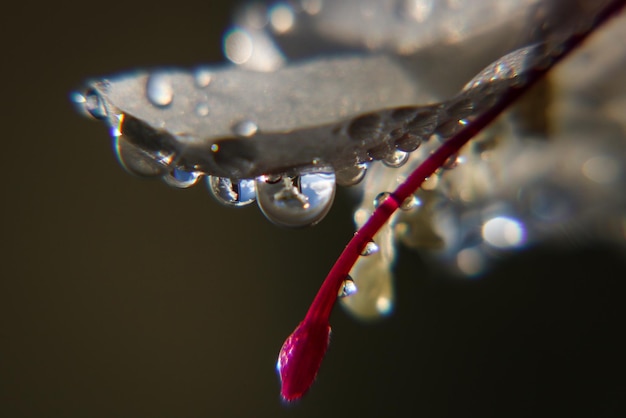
[(135, 161), (94, 105), (348, 288), (396, 159), (350, 176), (159, 89), (245, 128), (181, 179), (232, 192), (202, 109), (299, 201), (504, 232), (380, 198), (202, 77), (370, 248)]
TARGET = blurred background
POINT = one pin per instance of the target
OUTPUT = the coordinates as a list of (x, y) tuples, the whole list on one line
[(122, 297)]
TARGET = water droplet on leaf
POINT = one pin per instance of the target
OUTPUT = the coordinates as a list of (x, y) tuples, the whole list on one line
[(159, 89), (232, 192), (202, 77), (245, 128), (94, 105), (296, 201), (181, 179), (396, 159), (350, 176), (136, 161)]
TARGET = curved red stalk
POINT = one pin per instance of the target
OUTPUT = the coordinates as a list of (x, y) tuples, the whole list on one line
[(303, 351)]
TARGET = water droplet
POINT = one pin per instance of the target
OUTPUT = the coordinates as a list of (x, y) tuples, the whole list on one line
[(202, 109), (410, 203), (366, 127), (232, 192), (159, 89), (380, 198), (451, 162), (136, 161), (348, 288), (181, 179), (202, 77), (396, 159), (370, 248), (296, 201), (350, 176), (94, 105), (245, 128), (408, 142)]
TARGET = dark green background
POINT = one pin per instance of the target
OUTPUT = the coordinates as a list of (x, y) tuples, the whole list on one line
[(121, 297)]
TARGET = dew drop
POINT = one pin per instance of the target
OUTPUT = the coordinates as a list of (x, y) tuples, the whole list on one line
[(136, 161), (202, 109), (94, 105), (181, 179), (348, 288), (380, 198), (370, 248), (245, 128), (350, 176), (396, 159), (202, 77), (410, 203), (451, 162), (159, 89), (229, 192), (298, 201), (408, 142)]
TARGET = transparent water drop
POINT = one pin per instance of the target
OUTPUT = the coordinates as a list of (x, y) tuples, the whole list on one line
[(451, 162), (396, 159), (202, 109), (408, 142), (245, 128), (94, 105), (380, 198), (410, 203), (350, 176), (229, 192), (136, 161), (202, 77), (159, 89), (181, 179), (347, 288), (298, 201), (370, 248)]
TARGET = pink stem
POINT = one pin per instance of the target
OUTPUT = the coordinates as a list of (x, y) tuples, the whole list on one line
[(327, 295)]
